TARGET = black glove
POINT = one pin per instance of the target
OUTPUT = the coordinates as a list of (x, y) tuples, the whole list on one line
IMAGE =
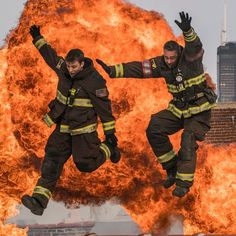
[(185, 24), (35, 31), (111, 139), (104, 66)]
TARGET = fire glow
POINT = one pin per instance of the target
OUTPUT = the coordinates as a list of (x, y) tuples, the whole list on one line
[(113, 31)]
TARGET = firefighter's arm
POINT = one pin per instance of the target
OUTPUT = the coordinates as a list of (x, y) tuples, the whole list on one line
[(137, 69), (47, 52), (193, 45), (102, 104)]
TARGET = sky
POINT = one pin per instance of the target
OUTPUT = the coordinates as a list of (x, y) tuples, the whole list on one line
[(207, 20)]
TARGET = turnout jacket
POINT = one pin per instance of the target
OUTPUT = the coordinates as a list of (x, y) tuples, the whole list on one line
[(186, 82), (80, 99)]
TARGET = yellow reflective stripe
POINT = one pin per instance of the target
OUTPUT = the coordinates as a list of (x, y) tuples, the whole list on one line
[(48, 120), (191, 110), (43, 191), (64, 128), (185, 177), (167, 157), (174, 110), (195, 110), (190, 35), (87, 129), (82, 102), (106, 150), (195, 81), (187, 84), (40, 43), (190, 38), (61, 98), (108, 125), (119, 70)]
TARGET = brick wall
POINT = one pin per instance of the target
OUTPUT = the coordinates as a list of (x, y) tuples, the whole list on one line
[(223, 124)]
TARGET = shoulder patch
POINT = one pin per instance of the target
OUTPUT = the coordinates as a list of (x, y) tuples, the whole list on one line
[(101, 92), (60, 62)]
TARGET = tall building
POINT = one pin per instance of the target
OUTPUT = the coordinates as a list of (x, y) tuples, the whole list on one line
[(226, 72)]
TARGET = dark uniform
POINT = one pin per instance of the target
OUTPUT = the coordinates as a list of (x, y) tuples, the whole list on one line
[(78, 102), (190, 108)]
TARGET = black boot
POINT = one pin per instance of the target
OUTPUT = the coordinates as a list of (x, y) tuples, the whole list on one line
[(170, 178), (33, 204), (180, 191), (115, 153)]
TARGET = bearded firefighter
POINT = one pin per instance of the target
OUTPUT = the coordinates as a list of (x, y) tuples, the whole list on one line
[(81, 96), (190, 108)]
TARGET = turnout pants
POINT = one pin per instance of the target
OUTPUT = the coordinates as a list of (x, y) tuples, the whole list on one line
[(88, 154), (164, 123)]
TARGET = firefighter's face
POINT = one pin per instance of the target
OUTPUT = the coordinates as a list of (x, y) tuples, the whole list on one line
[(74, 67), (170, 58)]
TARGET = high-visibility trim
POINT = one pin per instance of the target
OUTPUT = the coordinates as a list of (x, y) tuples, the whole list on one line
[(191, 110), (187, 84), (167, 157), (108, 125), (79, 102), (185, 177), (49, 122), (177, 112), (147, 70), (119, 70), (190, 35), (43, 191), (106, 150), (61, 98), (82, 102), (38, 44), (87, 129), (64, 128)]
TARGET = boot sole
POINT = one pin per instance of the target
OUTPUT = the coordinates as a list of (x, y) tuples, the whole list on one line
[(28, 204)]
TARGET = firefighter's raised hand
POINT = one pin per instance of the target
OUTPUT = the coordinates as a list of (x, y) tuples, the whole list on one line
[(35, 31), (104, 66), (185, 24)]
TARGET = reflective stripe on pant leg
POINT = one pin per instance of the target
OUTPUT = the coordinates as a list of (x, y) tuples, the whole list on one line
[(187, 160), (105, 150), (42, 194)]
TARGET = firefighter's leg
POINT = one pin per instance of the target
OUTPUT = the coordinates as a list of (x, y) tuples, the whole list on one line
[(88, 152), (58, 150), (162, 124), (195, 129)]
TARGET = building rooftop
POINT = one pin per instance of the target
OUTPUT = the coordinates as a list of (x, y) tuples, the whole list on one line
[(225, 105)]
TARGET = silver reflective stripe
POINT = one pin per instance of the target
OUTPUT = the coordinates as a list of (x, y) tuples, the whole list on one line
[(147, 71)]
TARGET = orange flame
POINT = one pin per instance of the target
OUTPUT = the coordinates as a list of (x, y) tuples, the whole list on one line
[(113, 31)]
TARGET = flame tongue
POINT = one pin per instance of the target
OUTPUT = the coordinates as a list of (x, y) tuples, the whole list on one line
[(113, 31)]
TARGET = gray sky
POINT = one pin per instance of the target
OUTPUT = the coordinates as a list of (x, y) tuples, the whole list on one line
[(207, 20)]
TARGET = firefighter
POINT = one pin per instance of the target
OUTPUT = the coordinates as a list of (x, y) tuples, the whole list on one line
[(81, 96), (190, 108)]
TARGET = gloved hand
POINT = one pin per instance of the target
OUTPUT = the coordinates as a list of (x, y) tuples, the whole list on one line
[(104, 66), (185, 24), (35, 31), (111, 139)]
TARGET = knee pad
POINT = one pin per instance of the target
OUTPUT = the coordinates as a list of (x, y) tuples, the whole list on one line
[(188, 146)]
